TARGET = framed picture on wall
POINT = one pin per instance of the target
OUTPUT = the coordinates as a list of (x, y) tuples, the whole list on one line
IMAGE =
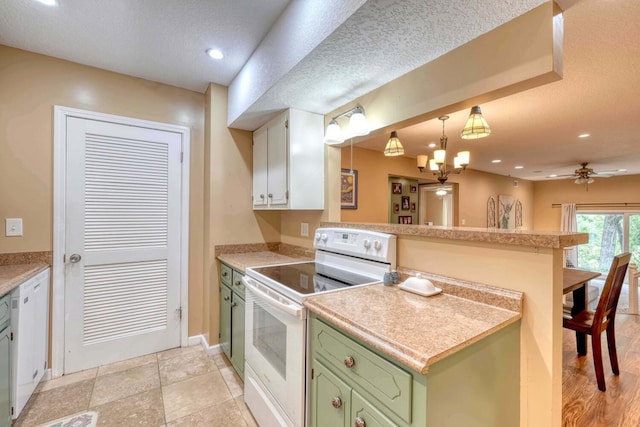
[(396, 208), (405, 203), (413, 207), (396, 188), (413, 189), (405, 219), (348, 189)]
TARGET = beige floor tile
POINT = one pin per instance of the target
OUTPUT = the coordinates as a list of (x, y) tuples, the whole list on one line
[(56, 403), (179, 351), (67, 380), (221, 360), (221, 414), (143, 409), (115, 386), (187, 397), (246, 413), (127, 364), (233, 381), (185, 366)]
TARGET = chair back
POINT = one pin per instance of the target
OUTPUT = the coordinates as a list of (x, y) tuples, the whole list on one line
[(608, 302)]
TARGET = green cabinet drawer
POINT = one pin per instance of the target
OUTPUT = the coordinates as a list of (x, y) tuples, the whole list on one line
[(386, 382), (330, 398), (365, 414), (236, 284), (225, 274)]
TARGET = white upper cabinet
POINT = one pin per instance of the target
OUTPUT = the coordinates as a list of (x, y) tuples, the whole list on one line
[(288, 162)]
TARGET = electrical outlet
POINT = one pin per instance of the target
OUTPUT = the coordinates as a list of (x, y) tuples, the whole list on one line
[(304, 229), (13, 227), (462, 222)]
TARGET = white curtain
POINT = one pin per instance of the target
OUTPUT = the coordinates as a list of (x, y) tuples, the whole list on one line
[(569, 224)]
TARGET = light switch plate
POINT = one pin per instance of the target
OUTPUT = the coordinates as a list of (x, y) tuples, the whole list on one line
[(13, 227)]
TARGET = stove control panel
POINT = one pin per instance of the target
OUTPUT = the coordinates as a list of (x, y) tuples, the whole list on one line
[(356, 242)]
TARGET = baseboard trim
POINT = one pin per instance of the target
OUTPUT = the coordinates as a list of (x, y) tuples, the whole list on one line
[(200, 339)]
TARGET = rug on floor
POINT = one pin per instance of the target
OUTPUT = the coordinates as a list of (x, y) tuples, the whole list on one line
[(83, 419)]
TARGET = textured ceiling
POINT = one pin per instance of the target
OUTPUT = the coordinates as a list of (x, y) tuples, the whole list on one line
[(355, 46)]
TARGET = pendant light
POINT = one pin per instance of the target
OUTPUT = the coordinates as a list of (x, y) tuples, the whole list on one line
[(476, 127), (394, 146)]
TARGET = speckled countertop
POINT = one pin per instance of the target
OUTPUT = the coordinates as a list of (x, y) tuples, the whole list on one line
[(242, 261), (13, 275), (542, 239), (419, 331)]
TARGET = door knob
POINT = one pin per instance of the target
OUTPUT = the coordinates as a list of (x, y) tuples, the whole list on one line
[(75, 258)]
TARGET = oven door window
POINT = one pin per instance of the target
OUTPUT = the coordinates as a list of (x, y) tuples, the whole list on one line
[(270, 339)]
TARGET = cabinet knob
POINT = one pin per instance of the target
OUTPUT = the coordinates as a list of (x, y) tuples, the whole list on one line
[(238, 282), (359, 422), (336, 402), (226, 298), (262, 196), (349, 362), (233, 304), (225, 274)]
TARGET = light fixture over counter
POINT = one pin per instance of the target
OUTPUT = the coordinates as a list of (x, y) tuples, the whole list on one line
[(475, 128), (357, 126)]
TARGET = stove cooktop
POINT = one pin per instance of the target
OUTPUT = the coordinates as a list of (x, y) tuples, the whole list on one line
[(310, 277)]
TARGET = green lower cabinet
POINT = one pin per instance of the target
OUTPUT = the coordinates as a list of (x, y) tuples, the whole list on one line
[(477, 386), (330, 398), (364, 413), (237, 334), (5, 377), (232, 317), (225, 320)]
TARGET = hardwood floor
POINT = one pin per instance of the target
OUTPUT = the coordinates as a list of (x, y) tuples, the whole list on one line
[(583, 404)]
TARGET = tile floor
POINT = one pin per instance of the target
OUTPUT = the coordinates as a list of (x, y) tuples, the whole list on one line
[(178, 387)]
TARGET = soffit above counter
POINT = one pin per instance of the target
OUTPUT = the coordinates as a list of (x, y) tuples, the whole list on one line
[(532, 238)]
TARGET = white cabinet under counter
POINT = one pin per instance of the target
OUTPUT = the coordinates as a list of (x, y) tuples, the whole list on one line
[(288, 162)]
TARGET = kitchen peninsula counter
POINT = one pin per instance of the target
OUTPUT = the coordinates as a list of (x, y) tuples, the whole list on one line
[(242, 257), (11, 276), (419, 331)]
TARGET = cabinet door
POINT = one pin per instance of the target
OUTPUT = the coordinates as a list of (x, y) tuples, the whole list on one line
[(5, 377), (237, 334), (367, 413), (260, 153), (330, 398), (225, 320), (277, 162)]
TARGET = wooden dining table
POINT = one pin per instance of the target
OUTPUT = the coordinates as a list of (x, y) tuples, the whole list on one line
[(576, 281)]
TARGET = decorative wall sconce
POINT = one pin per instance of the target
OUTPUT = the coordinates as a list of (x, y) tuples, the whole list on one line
[(357, 126)]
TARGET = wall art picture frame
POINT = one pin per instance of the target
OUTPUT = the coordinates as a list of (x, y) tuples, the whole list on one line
[(405, 219), (491, 212), (348, 189), (405, 203), (396, 188), (413, 189), (506, 214), (413, 207)]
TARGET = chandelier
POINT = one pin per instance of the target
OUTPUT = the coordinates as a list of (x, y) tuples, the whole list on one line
[(438, 165)]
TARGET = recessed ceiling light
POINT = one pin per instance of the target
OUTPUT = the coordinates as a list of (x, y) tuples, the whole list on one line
[(518, 167), (48, 2), (496, 161), (584, 135), (622, 170), (215, 53), (432, 144), (552, 176)]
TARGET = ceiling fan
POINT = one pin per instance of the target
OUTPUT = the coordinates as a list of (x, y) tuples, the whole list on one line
[(584, 174)]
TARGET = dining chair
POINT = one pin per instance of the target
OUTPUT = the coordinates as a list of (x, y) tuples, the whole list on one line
[(603, 318)]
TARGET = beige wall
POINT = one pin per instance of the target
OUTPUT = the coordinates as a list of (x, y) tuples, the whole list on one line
[(616, 189), (30, 85), (474, 187)]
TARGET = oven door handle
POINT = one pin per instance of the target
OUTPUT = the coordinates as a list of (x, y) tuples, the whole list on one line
[(256, 288)]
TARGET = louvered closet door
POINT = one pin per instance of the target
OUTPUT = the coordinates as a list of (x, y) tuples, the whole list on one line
[(123, 218)]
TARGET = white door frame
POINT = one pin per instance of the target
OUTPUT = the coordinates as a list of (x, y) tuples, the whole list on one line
[(59, 203)]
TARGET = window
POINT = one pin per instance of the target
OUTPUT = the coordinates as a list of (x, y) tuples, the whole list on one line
[(610, 233)]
